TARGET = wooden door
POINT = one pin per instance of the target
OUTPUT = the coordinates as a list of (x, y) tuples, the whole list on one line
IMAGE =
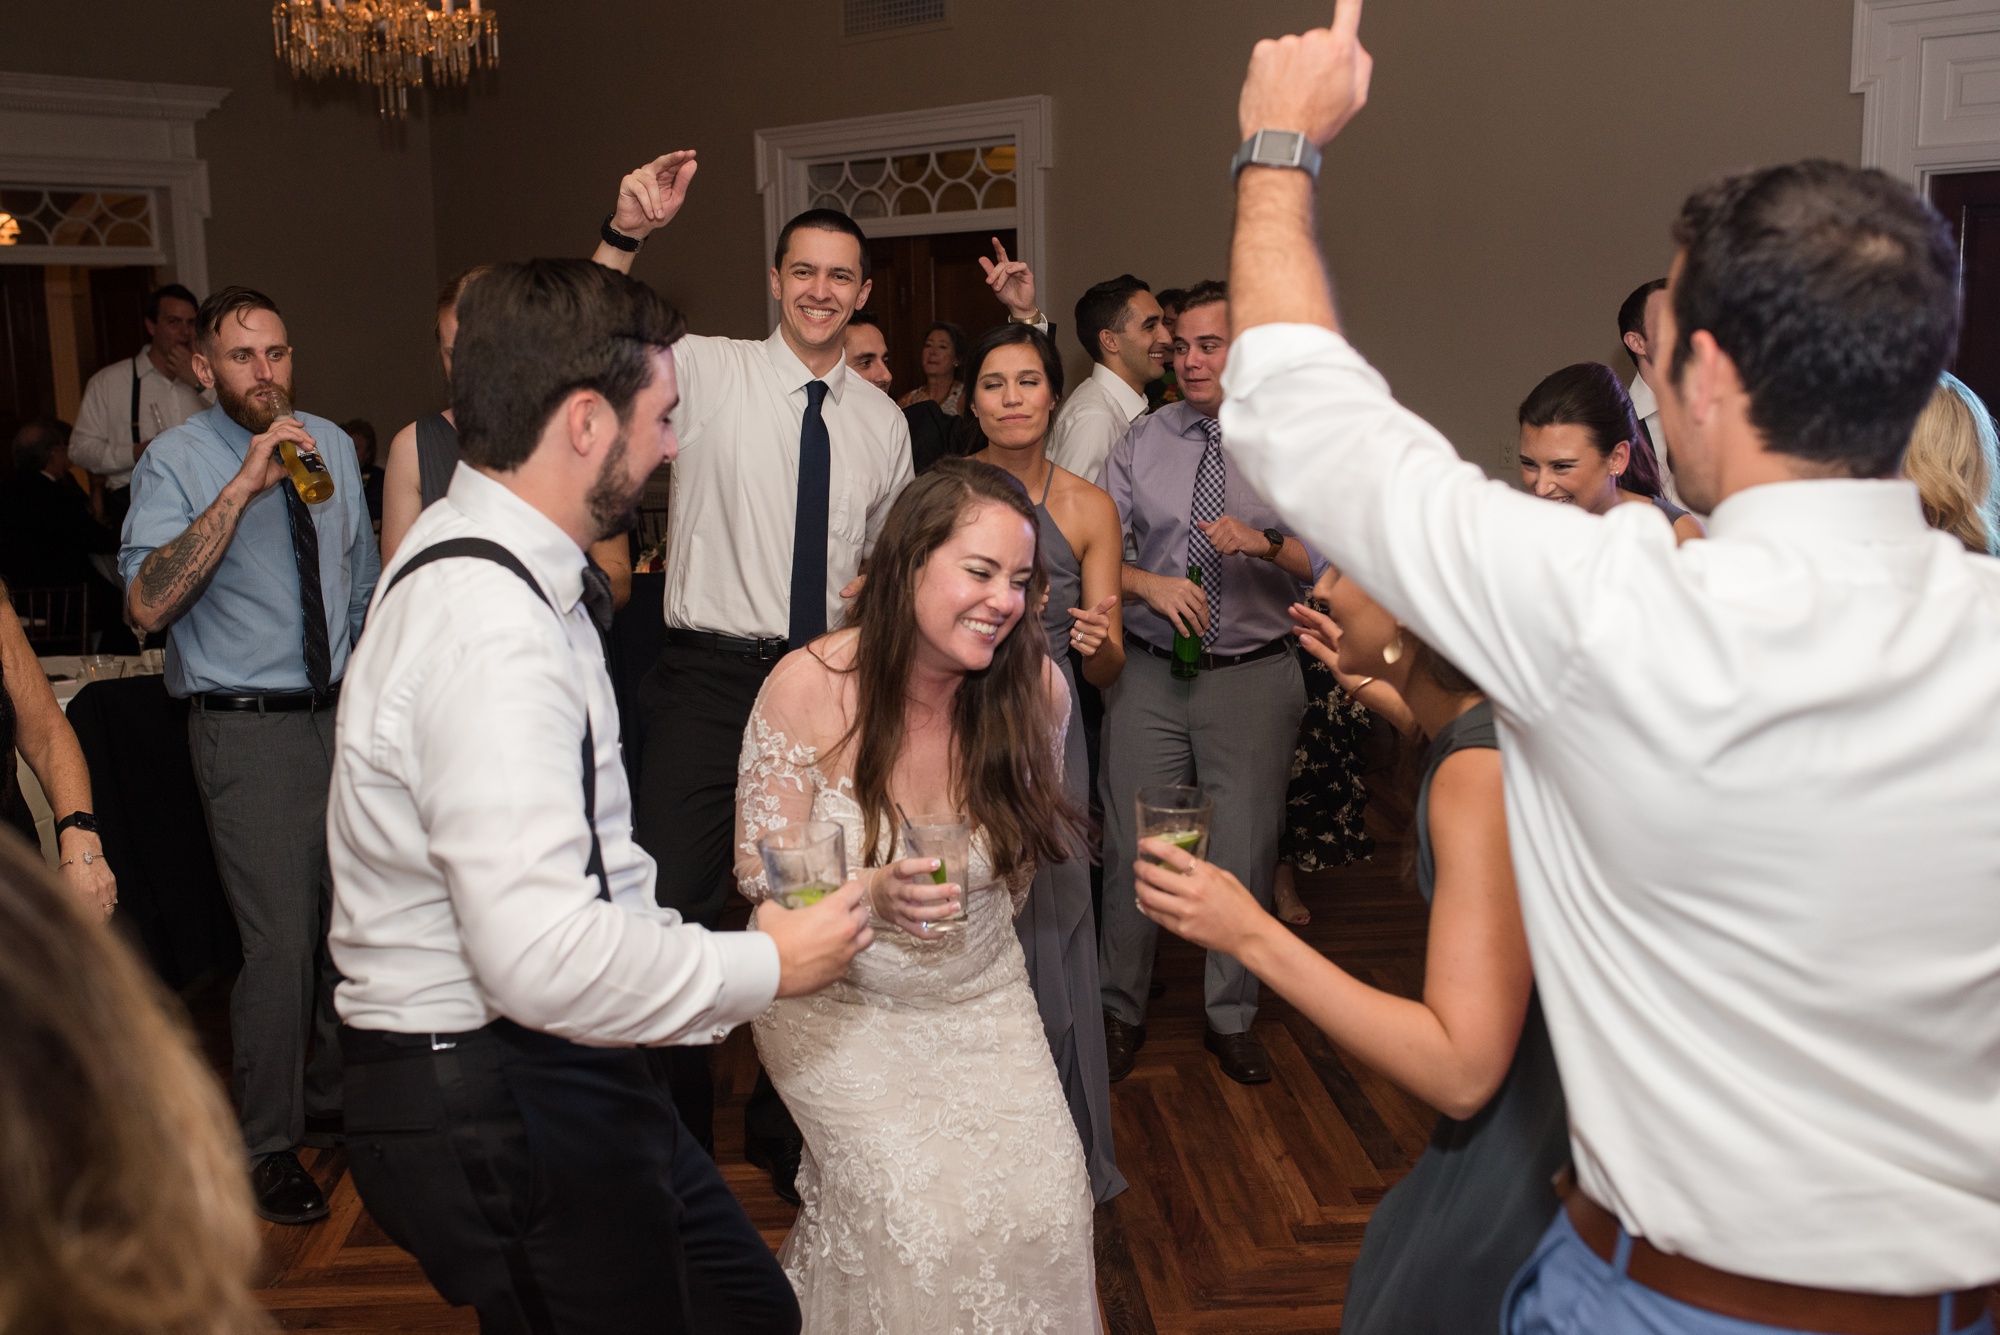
[(27, 372), (1970, 202), (118, 313), (923, 279)]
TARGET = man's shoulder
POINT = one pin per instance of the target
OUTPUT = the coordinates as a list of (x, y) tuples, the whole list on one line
[(110, 375)]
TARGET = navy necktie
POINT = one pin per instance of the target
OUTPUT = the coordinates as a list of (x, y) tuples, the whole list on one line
[(808, 618), (312, 603)]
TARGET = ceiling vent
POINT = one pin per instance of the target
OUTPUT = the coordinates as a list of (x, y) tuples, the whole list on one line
[(884, 18)]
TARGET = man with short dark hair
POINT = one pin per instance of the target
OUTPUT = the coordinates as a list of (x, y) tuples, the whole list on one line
[(129, 402), (494, 921), (1120, 326), (1639, 310), (1749, 780), (47, 535), (868, 350), (262, 595)]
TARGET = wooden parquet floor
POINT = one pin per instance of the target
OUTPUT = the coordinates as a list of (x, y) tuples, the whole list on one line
[(1246, 1205)]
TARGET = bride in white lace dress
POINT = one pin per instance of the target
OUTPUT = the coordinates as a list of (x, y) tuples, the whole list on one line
[(944, 1187)]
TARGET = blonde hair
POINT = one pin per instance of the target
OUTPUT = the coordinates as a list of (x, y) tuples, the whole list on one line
[(1952, 459), (127, 1204)]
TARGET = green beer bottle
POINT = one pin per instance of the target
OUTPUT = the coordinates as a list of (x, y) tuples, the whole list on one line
[(1187, 648)]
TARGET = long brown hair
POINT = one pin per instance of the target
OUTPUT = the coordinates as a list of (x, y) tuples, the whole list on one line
[(1004, 763), (126, 1207)]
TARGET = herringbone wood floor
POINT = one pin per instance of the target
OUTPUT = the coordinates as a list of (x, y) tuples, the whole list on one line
[(1246, 1205)]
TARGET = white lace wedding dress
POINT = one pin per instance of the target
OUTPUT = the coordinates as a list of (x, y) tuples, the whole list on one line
[(944, 1187)]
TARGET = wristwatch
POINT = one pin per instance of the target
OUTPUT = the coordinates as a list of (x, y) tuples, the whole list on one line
[(1276, 148), (616, 239), (78, 820), (1277, 540)]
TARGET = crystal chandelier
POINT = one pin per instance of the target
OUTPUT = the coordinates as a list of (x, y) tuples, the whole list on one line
[(395, 45)]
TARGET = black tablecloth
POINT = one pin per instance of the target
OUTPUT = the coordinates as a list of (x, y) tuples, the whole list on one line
[(134, 737)]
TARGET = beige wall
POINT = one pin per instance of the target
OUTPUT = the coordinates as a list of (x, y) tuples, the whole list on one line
[(1511, 181)]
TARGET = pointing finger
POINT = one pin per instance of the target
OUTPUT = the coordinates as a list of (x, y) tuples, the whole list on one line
[(1346, 17)]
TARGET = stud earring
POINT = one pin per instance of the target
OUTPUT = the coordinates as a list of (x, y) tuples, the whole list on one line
[(1394, 651)]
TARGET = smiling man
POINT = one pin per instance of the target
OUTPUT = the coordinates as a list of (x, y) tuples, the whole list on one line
[(788, 464), (1123, 330)]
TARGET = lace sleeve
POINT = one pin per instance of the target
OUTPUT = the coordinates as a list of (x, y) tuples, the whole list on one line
[(775, 783)]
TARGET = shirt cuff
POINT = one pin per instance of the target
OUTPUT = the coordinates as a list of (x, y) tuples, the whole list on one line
[(1272, 349), (749, 977)]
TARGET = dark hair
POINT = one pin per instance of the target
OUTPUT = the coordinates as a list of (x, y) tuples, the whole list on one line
[(865, 318), (955, 332), (36, 441), (1632, 315), (229, 301), (359, 429), (531, 334), (1834, 290), (1589, 395), (453, 291), (160, 294), (1106, 306), (1172, 299), (824, 220), (1003, 737), (1205, 293), (1003, 336)]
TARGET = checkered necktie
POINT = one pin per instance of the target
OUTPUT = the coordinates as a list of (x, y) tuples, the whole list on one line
[(1209, 486)]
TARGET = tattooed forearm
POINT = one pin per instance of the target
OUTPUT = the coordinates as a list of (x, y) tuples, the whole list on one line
[(175, 576)]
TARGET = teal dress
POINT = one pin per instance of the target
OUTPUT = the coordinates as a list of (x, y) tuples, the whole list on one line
[(1445, 1242)]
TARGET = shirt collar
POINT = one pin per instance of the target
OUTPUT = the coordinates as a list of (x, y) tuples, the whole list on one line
[(1129, 401), (1644, 405), (1849, 509), (792, 372), (1184, 419), (523, 530), (234, 434)]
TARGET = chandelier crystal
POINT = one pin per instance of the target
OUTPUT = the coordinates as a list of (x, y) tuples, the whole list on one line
[(394, 45)]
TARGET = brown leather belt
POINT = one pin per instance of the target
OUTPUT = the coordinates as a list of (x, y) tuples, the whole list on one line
[(1766, 1302)]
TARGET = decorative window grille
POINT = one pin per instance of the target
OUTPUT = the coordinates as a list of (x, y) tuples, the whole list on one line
[(97, 219), (946, 180), (865, 18)]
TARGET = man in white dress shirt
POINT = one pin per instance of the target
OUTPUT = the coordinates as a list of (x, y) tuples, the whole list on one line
[(1750, 780), (493, 919), (1122, 329), (134, 399), (1639, 311)]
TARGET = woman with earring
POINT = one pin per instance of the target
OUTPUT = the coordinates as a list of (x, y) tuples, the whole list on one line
[(1581, 445), (941, 357), (1013, 383), (1446, 1240)]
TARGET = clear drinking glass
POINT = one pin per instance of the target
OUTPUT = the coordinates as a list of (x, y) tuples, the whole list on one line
[(1179, 815), (946, 836), (804, 863), (100, 667)]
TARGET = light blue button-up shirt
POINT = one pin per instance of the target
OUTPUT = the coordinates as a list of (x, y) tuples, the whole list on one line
[(245, 634)]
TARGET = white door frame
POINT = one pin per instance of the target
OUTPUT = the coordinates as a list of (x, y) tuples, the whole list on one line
[(111, 134), (783, 155), (1929, 75)]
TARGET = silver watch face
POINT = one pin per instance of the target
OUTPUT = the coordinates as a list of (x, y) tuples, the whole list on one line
[(1278, 148)]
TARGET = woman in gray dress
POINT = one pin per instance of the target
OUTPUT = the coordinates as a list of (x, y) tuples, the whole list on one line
[(1013, 381), (1447, 1240)]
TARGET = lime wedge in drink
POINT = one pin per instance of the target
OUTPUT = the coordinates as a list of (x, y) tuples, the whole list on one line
[(941, 875), (1188, 841), (803, 896)]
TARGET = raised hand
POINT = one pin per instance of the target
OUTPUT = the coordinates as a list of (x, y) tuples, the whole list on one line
[(1319, 634), (650, 196), (262, 468), (1012, 281), (1089, 628), (1312, 83)]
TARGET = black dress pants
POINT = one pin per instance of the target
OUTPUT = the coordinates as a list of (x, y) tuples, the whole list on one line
[(697, 702), (551, 1187)]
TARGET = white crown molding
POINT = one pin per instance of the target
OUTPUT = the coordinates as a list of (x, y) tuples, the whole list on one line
[(782, 155), (111, 134), (1929, 75)]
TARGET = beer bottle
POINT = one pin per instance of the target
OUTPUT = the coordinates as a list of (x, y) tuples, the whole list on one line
[(309, 471), (1187, 648)]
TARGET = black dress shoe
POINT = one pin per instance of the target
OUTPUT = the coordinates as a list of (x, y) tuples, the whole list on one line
[(1121, 1045), (1242, 1057), (779, 1158), (284, 1192), (324, 1133)]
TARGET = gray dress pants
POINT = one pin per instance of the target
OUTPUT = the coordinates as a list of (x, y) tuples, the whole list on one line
[(263, 780), (1231, 730)]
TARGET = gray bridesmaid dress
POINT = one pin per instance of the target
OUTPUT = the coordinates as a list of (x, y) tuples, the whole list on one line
[(437, 457), (1445, 1242), (1057, 929)]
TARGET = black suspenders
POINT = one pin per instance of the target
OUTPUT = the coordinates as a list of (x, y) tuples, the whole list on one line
[(135, 396), (486, 550)]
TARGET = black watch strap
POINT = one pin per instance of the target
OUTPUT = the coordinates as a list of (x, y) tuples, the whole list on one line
[(78, 820), (618, 240), (1277, 540)]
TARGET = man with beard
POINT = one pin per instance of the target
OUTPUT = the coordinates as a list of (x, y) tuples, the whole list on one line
[(262, 596), (493, 919)]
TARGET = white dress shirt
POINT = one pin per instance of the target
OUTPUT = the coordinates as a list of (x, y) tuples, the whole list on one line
[(1646, 408), (1094, 417), (736, 482), (1751, 788), (101, 441), (456, 827)]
